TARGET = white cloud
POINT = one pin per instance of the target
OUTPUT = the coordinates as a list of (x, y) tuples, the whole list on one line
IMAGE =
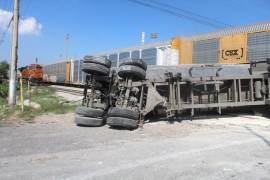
[(4, 18), (27, 26), (30, 26)]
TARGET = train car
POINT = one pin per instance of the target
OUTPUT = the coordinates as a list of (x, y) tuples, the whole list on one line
[(33, 72), (155, 53), (235, 45), (238, 45), (66, 71)]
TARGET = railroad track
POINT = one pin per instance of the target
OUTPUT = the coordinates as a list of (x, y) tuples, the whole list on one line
[(73, 91)]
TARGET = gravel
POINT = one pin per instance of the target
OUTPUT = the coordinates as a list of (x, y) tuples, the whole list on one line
[(232, 147)]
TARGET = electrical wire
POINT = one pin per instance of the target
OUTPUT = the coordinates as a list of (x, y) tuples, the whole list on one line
[(3, 6), (190, 13), (27, 2), (10, 5), (7, 5), (3, 35), (8, 26), (168, 9), (6, 30)]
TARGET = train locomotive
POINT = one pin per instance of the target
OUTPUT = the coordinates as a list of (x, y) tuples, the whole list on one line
[(33, 72)]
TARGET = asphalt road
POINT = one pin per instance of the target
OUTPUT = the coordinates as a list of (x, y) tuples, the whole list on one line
[(54, 148)]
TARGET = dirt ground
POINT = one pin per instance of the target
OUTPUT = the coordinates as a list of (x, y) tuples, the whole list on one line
[(231, 147)]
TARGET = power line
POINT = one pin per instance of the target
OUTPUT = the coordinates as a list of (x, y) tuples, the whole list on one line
[(6, 30), (174, 13), (190, 13), (27, 2), (8, 26), (4, 4), (160, 7), (7, 5), (10, 5)]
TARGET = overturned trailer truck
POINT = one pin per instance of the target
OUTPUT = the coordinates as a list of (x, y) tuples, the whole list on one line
[(122, 97)]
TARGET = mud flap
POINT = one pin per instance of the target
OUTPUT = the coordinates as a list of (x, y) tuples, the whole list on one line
[(153, 99)]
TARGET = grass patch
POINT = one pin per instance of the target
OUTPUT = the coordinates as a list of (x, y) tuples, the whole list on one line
[(43, 96), (3, 90), (51, 103), (2, 101)]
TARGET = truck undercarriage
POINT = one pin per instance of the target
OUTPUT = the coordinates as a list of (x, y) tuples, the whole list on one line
[(128, 93)]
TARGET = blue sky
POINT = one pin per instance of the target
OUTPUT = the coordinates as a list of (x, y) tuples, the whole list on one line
[(97, 25)]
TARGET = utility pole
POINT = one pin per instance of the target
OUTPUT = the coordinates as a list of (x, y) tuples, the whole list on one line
[(14, 56), (142, 37), (67, 46)]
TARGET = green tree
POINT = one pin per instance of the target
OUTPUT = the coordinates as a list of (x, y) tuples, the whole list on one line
[(4, 67)]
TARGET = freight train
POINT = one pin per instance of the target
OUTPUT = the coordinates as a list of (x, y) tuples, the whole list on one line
[(64, 72), (237, 45), (33, 72)]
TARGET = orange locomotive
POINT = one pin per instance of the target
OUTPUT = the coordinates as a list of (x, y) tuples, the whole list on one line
[(33, 72)]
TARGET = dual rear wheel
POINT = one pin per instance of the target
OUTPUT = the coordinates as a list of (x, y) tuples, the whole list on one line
[(99, 66), (86, 116), (132, 69), (123, 117), (116, 117)]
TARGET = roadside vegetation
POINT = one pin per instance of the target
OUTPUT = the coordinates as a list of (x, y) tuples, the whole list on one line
[(42, 101), (3, 83), (4, 66)]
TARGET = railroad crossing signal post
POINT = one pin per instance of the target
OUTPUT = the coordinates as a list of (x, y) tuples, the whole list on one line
[(14, 56)]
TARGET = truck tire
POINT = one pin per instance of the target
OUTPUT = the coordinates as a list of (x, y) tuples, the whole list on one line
[(268, 68), (135, 62), (133, 72), (96, 69), (102, 106), (98, 60), (123, 112), (98, 85), (89, 112), (268, 60), (88, 121), (262, 111), (102, 78), (122, 122)]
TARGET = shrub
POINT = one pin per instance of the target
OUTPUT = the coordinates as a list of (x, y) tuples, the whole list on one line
[(3, 90), (4, 67)]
